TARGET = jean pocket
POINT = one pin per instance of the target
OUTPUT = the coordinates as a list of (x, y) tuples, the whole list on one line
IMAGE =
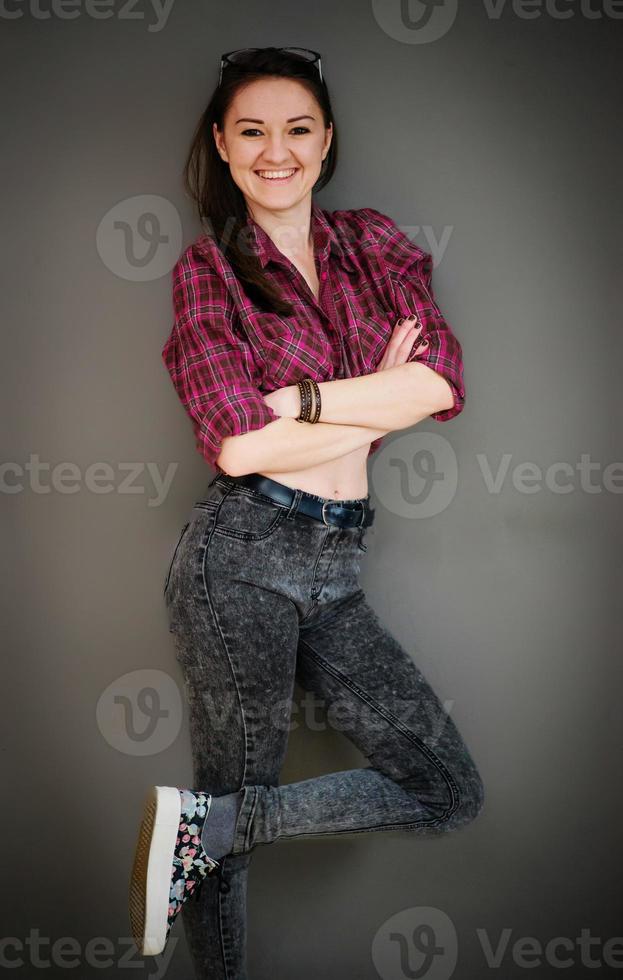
[(167, 577), (360, 542), (248, 516)]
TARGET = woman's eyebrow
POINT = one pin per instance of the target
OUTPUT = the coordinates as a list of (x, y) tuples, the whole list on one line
[(261, 121)]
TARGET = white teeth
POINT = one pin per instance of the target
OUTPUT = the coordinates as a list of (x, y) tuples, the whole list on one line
[(272, 174)]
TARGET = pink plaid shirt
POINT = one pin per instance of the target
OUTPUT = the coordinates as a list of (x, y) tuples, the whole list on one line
[(224, 352)]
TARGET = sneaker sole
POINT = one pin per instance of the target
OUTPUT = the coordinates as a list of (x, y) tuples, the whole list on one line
[(152, 870)]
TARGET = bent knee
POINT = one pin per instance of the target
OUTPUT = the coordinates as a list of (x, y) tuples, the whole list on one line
[(462, 804), (471, 800)]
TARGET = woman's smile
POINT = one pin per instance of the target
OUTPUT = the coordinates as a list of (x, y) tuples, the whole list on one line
[(277, 176)]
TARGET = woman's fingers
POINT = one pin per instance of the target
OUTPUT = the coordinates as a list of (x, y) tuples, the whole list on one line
[(411, 321), (403, 339), (408, 327), (410, 339)]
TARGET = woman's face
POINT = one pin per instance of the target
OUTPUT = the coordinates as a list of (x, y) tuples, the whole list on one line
[(274, 125)]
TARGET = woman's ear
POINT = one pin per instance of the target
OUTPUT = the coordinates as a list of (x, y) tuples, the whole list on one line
[(220, 142), (327, 141)]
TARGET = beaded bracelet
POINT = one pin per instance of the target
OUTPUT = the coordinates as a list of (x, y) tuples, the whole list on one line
[(305, 411), (316, 390), (308, 387)]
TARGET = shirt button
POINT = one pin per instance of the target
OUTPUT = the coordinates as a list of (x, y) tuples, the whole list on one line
[(323, 275)]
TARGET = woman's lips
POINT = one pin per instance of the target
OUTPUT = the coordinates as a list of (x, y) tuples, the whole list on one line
[(277, 180)]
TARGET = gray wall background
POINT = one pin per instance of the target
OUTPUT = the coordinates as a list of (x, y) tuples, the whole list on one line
[(503, 135)]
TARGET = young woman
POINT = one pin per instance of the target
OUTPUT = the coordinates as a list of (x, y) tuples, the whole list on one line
[(294, 352)]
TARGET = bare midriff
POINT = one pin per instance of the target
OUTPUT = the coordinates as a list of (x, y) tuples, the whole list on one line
[(345, 478)]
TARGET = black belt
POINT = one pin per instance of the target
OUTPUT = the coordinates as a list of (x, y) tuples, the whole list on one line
[(358, 514)]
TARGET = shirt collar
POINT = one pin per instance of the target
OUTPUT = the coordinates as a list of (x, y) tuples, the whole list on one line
[(326, 241)]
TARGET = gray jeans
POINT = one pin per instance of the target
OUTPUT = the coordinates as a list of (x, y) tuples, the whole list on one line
[(259, 596)]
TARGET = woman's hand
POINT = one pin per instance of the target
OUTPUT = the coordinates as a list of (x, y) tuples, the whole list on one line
[(284, 401), (400, 343)]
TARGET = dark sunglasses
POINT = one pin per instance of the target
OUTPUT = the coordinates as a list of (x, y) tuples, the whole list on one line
[(236, 58)]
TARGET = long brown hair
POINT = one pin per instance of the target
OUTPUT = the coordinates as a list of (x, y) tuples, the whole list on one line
[(207, 177)]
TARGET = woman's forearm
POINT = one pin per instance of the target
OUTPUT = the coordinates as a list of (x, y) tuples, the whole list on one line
[(355, 411), (286, 445), (395, 398)]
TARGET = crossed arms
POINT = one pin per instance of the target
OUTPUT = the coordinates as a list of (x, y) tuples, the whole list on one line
[(241, 430), (355, 411)]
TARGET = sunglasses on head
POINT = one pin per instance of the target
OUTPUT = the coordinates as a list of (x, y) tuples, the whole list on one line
[(237, 58)]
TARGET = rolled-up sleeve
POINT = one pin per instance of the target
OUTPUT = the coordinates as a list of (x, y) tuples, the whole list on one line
[(211, 367), (410, 271)]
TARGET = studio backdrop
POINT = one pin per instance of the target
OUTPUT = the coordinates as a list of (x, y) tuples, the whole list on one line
[(490, 133)]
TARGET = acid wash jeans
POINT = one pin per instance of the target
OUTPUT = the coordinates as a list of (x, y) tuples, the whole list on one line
[(259, 596)]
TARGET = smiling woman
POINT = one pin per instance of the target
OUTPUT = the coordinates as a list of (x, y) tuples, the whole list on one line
[(296, 293), (277, 161), (286, 314)]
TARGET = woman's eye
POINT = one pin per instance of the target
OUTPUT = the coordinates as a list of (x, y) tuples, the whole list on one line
[(249, 132)]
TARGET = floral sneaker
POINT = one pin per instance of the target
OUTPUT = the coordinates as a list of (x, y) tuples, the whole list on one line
[(170, 863)]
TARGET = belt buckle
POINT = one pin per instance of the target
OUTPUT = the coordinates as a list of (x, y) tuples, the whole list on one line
[(363, 514), (325, 503)]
